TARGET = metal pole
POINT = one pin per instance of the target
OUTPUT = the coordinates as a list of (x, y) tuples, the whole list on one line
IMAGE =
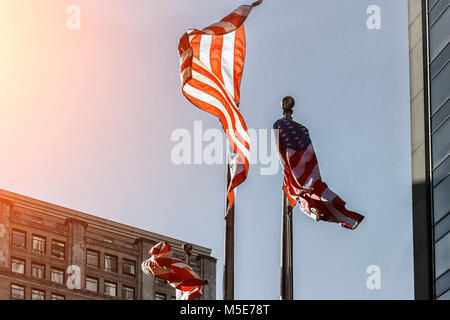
[(287, 278), (228, 272), (287, 286)]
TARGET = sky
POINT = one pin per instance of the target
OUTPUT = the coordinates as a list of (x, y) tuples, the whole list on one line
[(87, 115)]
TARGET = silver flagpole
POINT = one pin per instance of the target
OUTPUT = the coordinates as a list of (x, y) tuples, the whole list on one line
[(228, 272), (287, 277)]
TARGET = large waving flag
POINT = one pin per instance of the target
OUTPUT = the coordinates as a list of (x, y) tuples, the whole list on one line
[(302, 181), (212, 62), (179, 275)]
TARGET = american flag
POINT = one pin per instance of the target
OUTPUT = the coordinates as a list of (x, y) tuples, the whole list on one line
[(176, 272), (302, 181), (212, 62)]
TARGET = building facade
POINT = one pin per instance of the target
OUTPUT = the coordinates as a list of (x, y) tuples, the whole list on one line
[(48, 252), (429, 38)]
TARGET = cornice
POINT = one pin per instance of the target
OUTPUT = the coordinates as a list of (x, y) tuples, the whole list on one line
[(47, 208)]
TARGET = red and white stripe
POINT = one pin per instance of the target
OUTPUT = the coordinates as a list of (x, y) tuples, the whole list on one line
[(303, 184), (212, 62), (176, 272)]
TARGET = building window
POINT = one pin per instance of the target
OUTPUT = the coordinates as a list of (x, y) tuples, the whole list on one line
[(38, 244), (92, 258), (19, 239), (110, 289), (58, 249), (58, 297), (37, 271), (17, 292), (129, 268), (110, 263), (18, 265), (160, 296), (173, 298), (127, 293), (91, 284), (57, 276), (37, 294)]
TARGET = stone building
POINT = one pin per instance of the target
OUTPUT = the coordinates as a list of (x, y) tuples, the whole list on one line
[(50, 252)]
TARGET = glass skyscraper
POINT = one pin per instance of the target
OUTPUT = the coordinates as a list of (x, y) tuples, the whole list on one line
[(438, 74)]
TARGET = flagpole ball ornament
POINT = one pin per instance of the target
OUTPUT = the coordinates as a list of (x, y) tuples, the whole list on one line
[(187, 247), (287, 104)]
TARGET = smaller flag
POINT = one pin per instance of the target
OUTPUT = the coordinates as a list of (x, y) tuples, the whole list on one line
[(302, 180), (176, 272)]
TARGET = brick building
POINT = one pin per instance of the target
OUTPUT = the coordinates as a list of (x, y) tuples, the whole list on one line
[(50, 252)]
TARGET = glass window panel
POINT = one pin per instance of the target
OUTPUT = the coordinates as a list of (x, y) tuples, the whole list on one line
[(440, 90), (160, 296), (442, 255), (431, 4), (18, 239), (442, 228), (441, 172), (445, 296), (57, 276), (443, 284), (92, 284), (38, 244), (441, 143), (110, 263), (58, 297), (38, 271), (440, 116), (92, 258), (18, 265), (37, 294), (58, 249), (129, 268), (440, 61), (110, 289), (441, 203), (127, 293), (17, 292), (438, 10), (439, 35)]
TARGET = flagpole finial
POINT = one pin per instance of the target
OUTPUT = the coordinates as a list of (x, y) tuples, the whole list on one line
[(187, 247), (287, 104)]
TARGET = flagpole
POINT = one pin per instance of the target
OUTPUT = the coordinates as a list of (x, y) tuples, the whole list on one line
[(287, 278), (228, 272)]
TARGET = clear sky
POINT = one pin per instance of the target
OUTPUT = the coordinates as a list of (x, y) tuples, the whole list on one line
[(86, 118)]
